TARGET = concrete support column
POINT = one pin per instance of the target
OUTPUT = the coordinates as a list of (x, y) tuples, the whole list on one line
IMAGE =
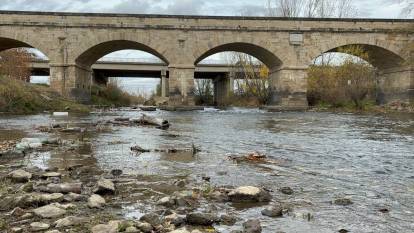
[(222, 90), (181, 85), (164, 84), (71, 80), (396, 85), (289, 88)]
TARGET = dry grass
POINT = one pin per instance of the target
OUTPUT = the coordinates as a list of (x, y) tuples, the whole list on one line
[(22, 98)]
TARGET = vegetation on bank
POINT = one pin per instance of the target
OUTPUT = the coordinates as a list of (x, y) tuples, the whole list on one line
[(113, 95), (20, 97)]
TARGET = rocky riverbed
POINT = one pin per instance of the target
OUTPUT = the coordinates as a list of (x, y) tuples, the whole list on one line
[(79, 174)]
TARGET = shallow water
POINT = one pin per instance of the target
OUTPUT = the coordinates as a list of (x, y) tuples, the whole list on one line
[(322, 156)]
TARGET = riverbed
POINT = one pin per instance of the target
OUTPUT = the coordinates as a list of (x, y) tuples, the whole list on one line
[(368, 159)]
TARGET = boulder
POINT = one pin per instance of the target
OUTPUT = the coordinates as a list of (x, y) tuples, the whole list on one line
[(104, 228), (249, 194), (39, 226), (49, 211), (69, 221), (20, 176), (166, 201), (72, 197), (96, 201), (201, 219), (16, 230), (151, 218), (228, 220), (273, 211), (144, 227), (104, 186), (175, 219), (62, 188), (252, 226)]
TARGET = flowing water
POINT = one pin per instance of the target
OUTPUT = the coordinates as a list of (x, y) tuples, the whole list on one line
[(321, 156)]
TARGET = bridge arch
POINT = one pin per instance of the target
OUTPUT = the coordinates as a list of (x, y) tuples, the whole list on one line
[(264, 55), (88, 57), (7, 43)]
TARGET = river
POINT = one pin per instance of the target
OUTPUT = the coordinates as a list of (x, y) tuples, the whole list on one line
[(321, 156)]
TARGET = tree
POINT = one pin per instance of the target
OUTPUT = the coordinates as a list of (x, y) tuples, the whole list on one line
[(203, 92), (15, 63)]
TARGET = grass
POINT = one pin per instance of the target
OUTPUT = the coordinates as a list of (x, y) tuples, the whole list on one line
[(19, 97)]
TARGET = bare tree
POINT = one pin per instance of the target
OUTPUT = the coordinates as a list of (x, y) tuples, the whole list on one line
[(15, 63)]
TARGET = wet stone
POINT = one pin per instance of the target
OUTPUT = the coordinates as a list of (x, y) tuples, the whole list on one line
[(49, 211), (343, 201), (286, 190), (39, 226), (151, 218), (249, 194), (252, 226), (20, 176), (228, 220), (145, 227), (201, 219), (96, 201), (273, 211), (104, 186)]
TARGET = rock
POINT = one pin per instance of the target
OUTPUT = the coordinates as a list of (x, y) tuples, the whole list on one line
[(228, 220), (166, 201), (201, 219), (62, 188), (69, 221), (286, 190), (16, 230), (53, 231), (249, 194), (49, 198), (104, 186), (144, 227), (105, 228), (49, 211), (252, 226), (343, 201), (139, 149), (151, 218), (17, 212), (73, 197), (273, 211), (39, 226), (96, 201), (51, 174), (27, 187), (175, 219), (20, 176), (131, 229), (236, 231), (182, 230)]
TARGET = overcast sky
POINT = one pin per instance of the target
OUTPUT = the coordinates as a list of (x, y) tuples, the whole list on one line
[(366, 8)]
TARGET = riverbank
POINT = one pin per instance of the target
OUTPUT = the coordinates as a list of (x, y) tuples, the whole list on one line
[(18, 97), (171, 186)]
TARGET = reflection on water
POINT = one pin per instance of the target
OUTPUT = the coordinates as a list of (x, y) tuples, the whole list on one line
[(325, 156)]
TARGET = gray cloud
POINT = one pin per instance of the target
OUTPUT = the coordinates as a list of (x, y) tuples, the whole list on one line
[(366, 8)]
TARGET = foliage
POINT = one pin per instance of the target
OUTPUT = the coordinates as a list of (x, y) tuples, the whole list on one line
[(15, 63), (112, 95), (19, 97), (352, 81), (251, 78), (203, 92)]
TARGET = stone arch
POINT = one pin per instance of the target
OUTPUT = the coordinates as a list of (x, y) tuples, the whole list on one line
[(88, 57), (381, 56), (10, 43), (264, 55)]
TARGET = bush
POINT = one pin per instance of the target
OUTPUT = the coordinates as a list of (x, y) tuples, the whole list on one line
[(352, 82), (113, 95)]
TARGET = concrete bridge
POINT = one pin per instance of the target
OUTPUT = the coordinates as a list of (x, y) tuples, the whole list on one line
[(73, 42)]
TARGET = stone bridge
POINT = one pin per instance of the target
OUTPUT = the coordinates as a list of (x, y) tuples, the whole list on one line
[(73, 42)]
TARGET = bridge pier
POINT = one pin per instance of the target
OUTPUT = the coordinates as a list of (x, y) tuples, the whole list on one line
[(223, 88), (100, 79), (181, 85), (72, 81), (396, 85), (289, 88), (164, 84)]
